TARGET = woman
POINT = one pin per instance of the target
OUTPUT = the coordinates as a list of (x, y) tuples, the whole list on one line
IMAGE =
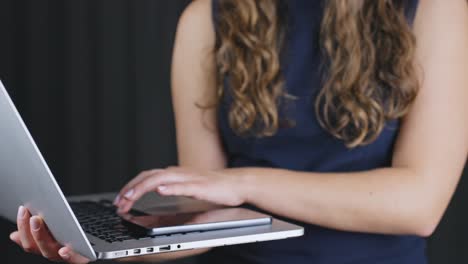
[(366, 160)]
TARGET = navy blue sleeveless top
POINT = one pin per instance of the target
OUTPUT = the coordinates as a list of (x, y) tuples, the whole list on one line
[(307, 147)]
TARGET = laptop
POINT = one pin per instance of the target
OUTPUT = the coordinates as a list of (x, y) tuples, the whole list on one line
[(89, 223)]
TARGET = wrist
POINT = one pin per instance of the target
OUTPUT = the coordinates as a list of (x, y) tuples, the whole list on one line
[(246, 184)]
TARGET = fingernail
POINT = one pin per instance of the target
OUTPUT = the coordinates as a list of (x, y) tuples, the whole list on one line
[(117, 200), (21, 212), (64, 255), (35, 224), (129, 194), (162, 188)]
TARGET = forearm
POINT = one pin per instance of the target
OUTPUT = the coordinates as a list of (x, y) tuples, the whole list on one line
[(386, 200)]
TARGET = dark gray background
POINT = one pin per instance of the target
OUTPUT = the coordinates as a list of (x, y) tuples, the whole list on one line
[(91, 79)]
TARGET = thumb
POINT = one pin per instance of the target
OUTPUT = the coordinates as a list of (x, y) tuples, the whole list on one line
[(70, 256)]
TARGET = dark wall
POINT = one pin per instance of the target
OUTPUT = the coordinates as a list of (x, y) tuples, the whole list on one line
[(91, 79)]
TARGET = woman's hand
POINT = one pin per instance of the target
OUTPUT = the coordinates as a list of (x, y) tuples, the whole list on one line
[(34, 237), (222, 187)]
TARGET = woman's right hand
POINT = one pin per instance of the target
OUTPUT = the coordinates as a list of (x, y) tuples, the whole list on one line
[(34, 237)]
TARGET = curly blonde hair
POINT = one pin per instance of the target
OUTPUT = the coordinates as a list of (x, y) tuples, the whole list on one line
[(370, 75)]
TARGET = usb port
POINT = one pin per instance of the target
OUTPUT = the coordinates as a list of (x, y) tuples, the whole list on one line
[(165, 248), (136, 251), (149, 250)]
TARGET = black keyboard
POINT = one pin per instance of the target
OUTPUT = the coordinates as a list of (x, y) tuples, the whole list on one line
[(101, 220)]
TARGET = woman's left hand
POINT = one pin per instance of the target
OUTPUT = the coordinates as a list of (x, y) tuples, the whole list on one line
[(222, 187)]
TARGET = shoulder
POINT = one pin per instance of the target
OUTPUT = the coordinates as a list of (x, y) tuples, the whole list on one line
[(442, 12), (196, 21), (198, 9), (197, 13)]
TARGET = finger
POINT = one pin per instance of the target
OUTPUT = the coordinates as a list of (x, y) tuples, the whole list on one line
[(15, 237), (181, 189), (27, 241), (70, 256), (140, 177), (127, 192), (45, 242), (147, 185)]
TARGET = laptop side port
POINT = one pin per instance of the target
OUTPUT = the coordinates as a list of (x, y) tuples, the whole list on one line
[(136, 251), (165, 248), (149, 250)]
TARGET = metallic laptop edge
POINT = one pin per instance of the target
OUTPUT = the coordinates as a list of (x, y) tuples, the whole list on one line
[(21, 164)]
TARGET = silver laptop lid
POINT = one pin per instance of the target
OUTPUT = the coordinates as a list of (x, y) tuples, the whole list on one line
[(25, 179)]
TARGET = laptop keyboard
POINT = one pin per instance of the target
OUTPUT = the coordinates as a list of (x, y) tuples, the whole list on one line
[(101, 220)]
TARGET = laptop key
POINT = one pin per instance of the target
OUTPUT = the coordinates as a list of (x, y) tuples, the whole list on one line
[(101, 220)]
